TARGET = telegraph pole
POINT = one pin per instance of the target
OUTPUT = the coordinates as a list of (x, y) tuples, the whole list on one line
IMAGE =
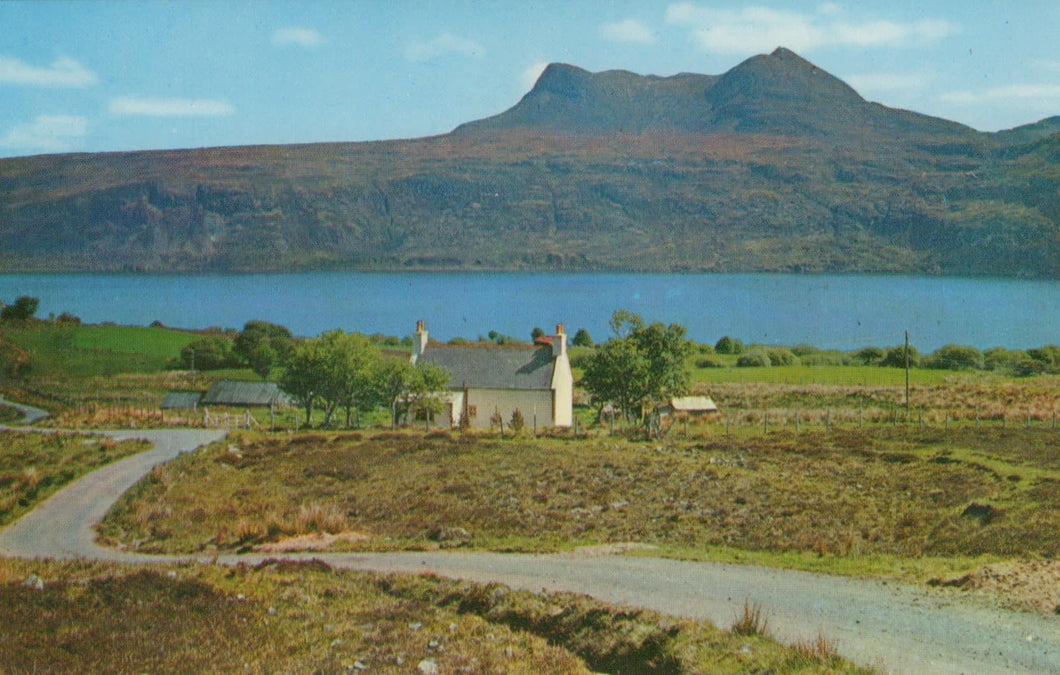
[(907, 373)]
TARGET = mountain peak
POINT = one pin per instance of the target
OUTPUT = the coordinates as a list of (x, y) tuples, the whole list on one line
[(779, 93)]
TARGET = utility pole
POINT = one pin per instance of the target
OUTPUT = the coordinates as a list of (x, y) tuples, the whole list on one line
[(907, 373)]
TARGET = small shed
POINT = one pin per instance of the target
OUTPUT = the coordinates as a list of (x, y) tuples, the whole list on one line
[(181, 400), (245, 394), (689, 406)]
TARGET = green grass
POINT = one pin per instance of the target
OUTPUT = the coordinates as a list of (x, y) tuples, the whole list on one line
[(308, 618), (861, 376), (69, 352), (33, 466), (859, 502)]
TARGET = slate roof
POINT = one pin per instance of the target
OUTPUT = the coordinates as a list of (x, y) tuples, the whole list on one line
[(498, 367), (181, 400), (228, 392)]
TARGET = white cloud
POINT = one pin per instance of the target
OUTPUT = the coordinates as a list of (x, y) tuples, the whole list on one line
[(46, 133), (1022, 92), (761, 29), (170, 107), (1047, 65), (830, 9), (887, 81), (629, 30), (747, 30), (444, 45), (531, 74), (297, 36), (61, 73)]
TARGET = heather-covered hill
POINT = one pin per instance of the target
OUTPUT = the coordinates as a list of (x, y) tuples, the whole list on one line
[(773, 166)]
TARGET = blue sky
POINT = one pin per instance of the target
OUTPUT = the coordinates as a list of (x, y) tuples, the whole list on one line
[(107, 75)]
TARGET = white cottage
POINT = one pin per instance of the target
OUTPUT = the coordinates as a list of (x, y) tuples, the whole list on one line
[(488, 379)]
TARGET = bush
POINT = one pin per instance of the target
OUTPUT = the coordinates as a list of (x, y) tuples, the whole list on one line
[(728, 345), (756, 358), (782, 356), (68, 319), (956, 357), (517, 422), (871, 355), (895, 357), (707, 362), (1000, 358)]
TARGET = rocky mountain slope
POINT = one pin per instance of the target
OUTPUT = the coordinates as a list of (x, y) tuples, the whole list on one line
[(773, 166)]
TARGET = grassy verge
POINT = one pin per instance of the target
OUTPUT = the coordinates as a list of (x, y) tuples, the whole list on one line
[(862, 502), (280, 617), (33, 466)]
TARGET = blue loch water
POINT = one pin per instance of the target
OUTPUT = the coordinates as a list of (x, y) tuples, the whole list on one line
[(827, 311)]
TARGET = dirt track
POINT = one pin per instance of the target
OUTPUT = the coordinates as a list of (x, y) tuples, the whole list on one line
[(895, 628)]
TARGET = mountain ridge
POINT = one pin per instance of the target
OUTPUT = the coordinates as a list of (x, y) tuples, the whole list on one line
[(775, 165)]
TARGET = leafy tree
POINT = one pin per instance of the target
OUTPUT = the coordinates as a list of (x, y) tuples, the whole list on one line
[(728, 345), (639, 365), (303, 378), (1048, 356), (536, 333), (426, 386), (264, 346), (23, 309), (346, 378), (582, 338), (781, 356)]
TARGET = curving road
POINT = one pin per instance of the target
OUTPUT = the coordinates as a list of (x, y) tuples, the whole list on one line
[(893, 627)]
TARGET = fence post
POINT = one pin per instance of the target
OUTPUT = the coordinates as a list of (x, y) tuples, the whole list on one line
[(828, 420), (798, 421), (765, 422)]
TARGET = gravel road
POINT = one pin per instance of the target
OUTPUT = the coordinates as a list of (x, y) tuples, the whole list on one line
[(892, 627)]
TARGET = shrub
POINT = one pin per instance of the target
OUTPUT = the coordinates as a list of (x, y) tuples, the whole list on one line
[(895, 357), (516, 423), (871, 355), (756, 358), (707, 362), (23, 309), (956, 357), (781, 356), (68, 319)]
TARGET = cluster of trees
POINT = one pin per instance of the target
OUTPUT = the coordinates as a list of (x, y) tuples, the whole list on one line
[(337, 371), (261, 346), (949, 357), (640, 365), (22, 309), (345, 371)]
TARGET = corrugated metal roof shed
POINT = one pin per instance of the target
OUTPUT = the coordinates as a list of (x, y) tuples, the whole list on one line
[(693, 404), (485, 367), (228, 392), (181, 400)]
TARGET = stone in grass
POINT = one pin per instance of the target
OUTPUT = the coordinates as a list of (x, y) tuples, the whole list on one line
[(427, 667), (34, 582), (443, 533)]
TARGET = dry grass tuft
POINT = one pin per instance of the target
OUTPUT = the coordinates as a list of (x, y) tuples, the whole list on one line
[(752, 621), (819, 649)]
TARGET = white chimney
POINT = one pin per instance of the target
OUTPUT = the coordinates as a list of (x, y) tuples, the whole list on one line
[(559, 342), (419, 340)]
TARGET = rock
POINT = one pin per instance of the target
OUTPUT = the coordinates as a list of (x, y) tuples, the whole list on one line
[(444, 533), (34, 582), (427, 667)]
